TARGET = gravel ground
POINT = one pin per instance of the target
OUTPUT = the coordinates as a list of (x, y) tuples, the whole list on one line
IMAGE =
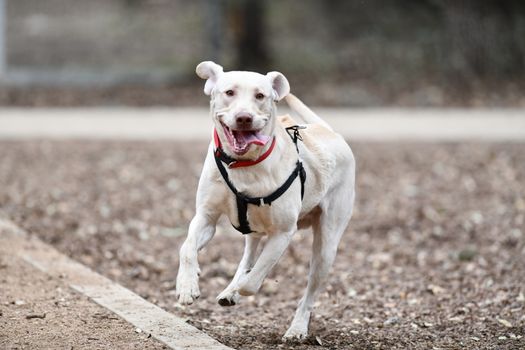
[(433, 257)]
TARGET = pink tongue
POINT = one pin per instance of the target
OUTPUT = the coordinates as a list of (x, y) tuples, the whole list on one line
[(254, 137)]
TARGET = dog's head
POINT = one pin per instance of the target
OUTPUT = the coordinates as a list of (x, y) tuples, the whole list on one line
[(243, 106)]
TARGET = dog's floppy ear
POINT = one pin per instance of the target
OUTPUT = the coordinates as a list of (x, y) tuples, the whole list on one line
[(210, 71), (280, 85)]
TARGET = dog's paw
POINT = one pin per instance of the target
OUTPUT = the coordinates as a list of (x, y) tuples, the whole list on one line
[(187, 291), (228, 298), (295, 335)]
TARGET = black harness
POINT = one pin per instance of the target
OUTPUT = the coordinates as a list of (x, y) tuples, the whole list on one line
[(243, 200)]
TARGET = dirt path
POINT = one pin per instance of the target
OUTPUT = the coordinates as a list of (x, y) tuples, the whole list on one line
[(433, 257), (387, 124), (40, 312)]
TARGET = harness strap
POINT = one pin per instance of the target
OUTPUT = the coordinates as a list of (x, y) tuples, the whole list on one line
[(293, 132), (243, 200), (242, 214)]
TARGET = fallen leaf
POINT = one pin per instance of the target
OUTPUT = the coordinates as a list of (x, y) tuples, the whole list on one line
[(319, 341), (467, 254), (351, 292), (391, 321), (456, 319), (505, 322), (435, 289), (521, 297)]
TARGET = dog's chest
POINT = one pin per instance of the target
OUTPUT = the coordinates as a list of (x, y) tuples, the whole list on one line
[(261, 218)]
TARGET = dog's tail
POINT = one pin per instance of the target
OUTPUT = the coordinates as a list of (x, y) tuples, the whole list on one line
[(304, 112)]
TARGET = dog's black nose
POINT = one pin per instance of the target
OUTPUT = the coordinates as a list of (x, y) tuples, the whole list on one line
[(244, 120)]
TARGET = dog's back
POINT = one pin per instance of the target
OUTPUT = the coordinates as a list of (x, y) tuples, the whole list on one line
[(304, 112), (318, 136), (328, 158)]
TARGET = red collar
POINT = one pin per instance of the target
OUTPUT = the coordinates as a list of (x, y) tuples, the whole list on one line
[(241, 163)]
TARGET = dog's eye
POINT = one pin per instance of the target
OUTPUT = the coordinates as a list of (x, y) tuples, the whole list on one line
[(230, 93), (259, 96)]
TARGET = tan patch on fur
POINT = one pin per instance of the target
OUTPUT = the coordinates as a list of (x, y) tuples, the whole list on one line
[(320, 162), (315, 130), (286, 120)]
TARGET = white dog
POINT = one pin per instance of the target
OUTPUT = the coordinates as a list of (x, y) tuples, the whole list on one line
[(270, 179)]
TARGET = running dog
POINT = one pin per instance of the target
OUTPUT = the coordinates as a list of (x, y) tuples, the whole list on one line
[(270, 176)]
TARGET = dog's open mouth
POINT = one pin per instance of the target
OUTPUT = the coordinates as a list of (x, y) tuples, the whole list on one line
[(240, 140)]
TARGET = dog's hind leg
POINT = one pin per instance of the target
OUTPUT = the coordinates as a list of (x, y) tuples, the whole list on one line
[(274, 248), (230, 296), (327, 233)]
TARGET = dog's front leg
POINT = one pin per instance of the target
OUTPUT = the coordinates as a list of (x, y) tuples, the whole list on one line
[(201, 230), (230, 296), (274, 248)]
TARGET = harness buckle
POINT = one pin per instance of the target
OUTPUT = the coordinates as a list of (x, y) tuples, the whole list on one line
[(295, 135)]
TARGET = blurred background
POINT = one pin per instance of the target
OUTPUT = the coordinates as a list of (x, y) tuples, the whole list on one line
[(430, 94), (335, 53)]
